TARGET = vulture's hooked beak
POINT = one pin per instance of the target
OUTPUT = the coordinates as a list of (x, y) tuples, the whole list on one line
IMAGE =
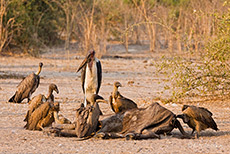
[(98, 99), (102, 100), (56, 89)]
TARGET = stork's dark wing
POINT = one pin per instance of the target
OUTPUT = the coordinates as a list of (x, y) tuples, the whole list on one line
[(83, 72), (99, 74), (38, 115)]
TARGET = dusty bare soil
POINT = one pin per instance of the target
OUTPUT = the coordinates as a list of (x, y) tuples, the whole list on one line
[(136, 73)]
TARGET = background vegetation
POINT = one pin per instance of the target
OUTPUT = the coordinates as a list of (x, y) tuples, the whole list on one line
[(195, 28)]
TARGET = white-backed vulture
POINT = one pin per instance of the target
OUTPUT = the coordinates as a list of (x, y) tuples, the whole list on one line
[(27, 86), (119, 103), (40, 99), (86, 122), (91, 75), (197, 118), (43, 116)]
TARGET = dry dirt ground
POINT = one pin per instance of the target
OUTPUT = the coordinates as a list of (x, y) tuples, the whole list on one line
[(136, 73)]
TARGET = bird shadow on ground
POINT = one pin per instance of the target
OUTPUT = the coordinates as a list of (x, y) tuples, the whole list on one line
[(208, 133), (213, 133)]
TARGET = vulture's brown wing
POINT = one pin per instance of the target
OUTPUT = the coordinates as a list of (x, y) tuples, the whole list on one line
[(36, 83), (211, 123), (35, 102), (127, 103), (206, 110), (200, 114), (25, 87), (87, 120), (38, 115)]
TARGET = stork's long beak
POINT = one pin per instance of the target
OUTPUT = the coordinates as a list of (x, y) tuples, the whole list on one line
[(90, 55), (83, 64)]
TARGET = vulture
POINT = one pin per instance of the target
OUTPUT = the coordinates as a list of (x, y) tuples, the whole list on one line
[(27, 86), (197, 118), (119, 103), (91, 75), (86, 122), (43, 116), (40, 99), (87, 117)]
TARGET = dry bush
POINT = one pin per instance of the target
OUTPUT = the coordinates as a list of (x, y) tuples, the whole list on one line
[(204, 76)]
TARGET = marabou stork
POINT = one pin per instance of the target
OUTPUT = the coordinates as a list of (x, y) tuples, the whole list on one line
[(91, 76)]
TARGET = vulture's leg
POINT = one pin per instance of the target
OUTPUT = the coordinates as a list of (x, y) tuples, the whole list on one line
[(196, 135), (193, 130), (40, 126), (198, 129)]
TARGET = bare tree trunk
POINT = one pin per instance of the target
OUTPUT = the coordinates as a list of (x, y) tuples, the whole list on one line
[(2, 11), (178, 33), (103, 37), (170, 36), (126, 34), (151, 28), (89, 27), (67, 30), (5, 35), (152, 37)]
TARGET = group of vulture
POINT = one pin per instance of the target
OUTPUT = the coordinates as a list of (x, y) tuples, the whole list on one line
[(128, 122)]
